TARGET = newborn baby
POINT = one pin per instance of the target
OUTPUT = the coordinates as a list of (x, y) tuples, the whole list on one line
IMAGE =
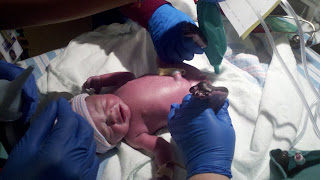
[(140, 106)]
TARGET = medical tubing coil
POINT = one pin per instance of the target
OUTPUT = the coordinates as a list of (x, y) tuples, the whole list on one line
[(306, 71), (302, 46), (273, 45), (304, 59)]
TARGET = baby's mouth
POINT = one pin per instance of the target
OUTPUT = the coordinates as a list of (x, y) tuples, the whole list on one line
[(118, 114), (124, 112)]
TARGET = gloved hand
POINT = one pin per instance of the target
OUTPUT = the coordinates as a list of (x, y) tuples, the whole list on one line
[(174, 35), (65, 150), (29, 92), (206, 140)]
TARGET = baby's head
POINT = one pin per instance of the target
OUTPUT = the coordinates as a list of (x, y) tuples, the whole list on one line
[(107, 114)]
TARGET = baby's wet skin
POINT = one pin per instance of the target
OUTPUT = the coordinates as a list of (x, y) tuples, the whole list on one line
[(149, 99)]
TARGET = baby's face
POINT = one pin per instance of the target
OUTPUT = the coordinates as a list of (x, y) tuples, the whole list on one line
[(110, 115)]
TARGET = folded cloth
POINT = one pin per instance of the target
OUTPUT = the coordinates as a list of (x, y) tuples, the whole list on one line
[(78, 105)]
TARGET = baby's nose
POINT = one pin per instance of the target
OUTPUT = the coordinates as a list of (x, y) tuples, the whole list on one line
[(111, 121)]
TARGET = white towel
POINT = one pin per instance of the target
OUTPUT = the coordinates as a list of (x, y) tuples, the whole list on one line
[(119, 47)]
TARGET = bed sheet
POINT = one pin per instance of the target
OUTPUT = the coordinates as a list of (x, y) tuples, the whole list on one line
[(40, 62), (265, 110)]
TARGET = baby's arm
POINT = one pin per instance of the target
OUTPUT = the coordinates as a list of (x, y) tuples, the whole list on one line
[(111, 79)]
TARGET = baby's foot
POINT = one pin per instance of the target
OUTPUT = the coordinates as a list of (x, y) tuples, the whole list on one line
[(215, 95)]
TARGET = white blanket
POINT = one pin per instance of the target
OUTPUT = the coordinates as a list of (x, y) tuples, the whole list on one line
[(263, 119)]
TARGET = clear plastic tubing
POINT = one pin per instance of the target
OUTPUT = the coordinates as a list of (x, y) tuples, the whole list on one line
[(303, 57), (299, 137), (273, 45), (302, 46)]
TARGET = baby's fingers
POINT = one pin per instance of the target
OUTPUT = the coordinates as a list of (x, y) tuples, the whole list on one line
[(87, 84)]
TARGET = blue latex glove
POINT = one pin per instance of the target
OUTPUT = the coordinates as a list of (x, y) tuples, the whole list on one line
[(166, 27), (65, 150), (206, 140), (29, 92)]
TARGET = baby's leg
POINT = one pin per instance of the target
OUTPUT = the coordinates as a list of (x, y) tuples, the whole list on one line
[(215, 95), (159, 147)]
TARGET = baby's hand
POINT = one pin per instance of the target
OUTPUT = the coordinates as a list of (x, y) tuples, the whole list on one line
[(93, 82)]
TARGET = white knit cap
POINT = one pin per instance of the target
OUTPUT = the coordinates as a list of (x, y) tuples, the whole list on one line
[(79, 106)]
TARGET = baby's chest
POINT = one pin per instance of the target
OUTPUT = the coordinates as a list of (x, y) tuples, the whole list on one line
[(154, 90), (156, 99), (150, 101)]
